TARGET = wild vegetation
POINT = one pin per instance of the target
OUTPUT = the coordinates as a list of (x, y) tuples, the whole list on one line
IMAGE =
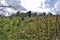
[(27, 26)]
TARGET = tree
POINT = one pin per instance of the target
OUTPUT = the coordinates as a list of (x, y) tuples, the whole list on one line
[(29, 13), (18, 13), (49, 13), (34, 14), (44, 13), (40, 14), (12, 16)]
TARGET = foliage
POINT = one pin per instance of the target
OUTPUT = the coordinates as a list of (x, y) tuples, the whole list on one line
[(28, 28)]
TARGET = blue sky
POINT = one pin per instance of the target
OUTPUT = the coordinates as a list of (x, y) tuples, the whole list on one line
[(40, 5), (33, 5), (51, 5)]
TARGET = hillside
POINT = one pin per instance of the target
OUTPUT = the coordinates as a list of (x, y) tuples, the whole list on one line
[(36, 27)]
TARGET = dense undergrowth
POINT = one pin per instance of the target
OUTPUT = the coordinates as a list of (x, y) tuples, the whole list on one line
[(29, 28)]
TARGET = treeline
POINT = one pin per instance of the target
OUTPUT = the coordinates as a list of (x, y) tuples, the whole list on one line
[(29, 14)]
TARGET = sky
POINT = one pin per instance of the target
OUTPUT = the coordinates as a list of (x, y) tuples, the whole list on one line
[(34, 5), (52, 6), (41, 5)]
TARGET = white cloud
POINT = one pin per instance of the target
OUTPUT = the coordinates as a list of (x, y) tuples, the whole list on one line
[(15, 4), (3, 2), (57, 6), (35, 5), (10, 10)]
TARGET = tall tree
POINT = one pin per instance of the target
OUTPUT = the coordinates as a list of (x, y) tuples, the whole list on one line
[(29, 13)]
